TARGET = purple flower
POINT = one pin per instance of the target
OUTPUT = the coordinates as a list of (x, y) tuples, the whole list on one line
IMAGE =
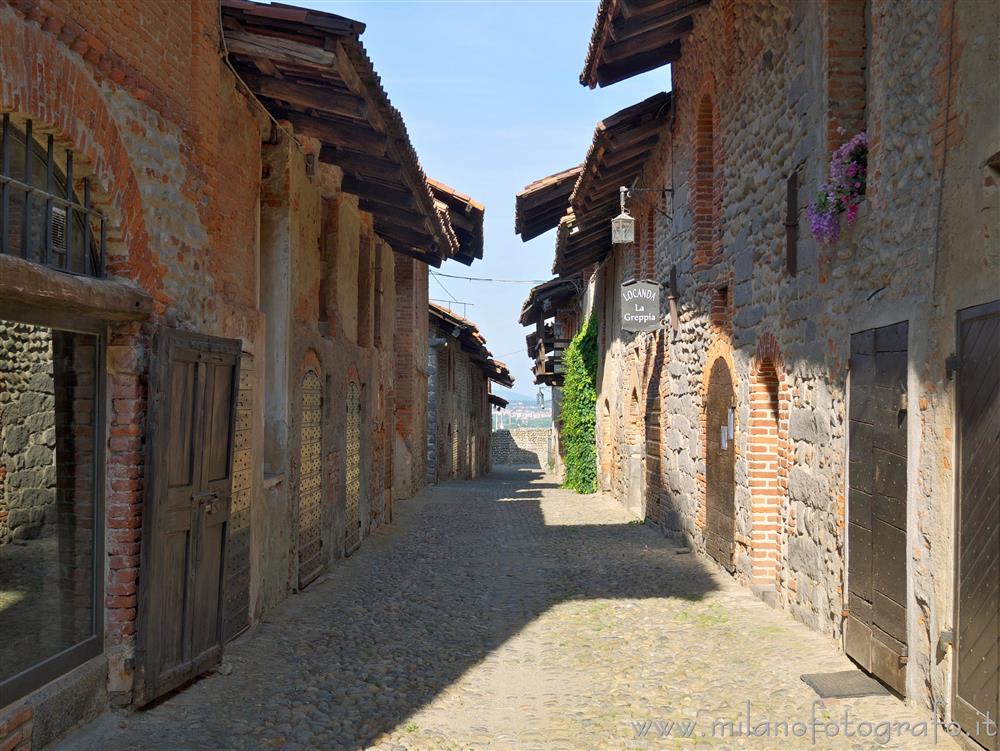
[(844, 192)]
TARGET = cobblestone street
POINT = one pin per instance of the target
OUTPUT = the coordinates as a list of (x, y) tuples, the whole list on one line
[(508, 613)]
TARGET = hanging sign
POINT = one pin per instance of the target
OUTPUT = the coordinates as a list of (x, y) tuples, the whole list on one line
[(640, 306)]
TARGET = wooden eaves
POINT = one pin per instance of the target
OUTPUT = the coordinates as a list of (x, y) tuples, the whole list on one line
[(545, 299), (310, 69), (454, 327), (621, 146), (539, 207), (634, 36), (466, 217)]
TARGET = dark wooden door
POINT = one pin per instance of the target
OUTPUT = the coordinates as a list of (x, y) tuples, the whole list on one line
[(189, 486), (977, 602), (720, 500), (875, 632)]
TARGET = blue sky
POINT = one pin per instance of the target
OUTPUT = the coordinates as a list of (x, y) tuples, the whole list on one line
[(491, 98)]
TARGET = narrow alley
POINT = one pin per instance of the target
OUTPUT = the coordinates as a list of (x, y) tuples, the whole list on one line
[(506, 612)]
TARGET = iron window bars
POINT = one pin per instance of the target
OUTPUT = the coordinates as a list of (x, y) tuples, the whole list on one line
[(41, 218)]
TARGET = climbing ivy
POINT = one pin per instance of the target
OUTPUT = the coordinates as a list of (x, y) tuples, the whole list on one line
[(579, 409)]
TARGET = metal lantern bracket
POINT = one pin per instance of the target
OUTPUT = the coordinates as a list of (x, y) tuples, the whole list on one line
[(627, 192)]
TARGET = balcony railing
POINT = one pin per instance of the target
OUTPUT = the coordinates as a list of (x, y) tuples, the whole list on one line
[(41, 217)]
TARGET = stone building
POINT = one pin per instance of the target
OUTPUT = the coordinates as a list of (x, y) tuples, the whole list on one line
[(817, 416), (214, 242), (552, 309), (461, 370)]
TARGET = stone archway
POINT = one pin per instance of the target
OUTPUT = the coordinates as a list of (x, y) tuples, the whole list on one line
[(720, 462)]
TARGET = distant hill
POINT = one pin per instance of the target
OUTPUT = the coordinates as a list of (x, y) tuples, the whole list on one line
[(514, 397)]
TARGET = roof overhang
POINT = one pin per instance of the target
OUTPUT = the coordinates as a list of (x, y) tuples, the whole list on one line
[(622, 145), (310, 69), (466, 219), (634, 36), (540, 206), (498, 401), (453, 326), (545, 299)]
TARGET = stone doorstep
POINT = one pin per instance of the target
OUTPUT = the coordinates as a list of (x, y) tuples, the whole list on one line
[(67, 702), (766, 593)]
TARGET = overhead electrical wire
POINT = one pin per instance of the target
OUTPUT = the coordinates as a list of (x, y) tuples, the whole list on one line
[(487, 279)]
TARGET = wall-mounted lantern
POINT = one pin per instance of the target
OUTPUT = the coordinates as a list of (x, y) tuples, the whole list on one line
[(623, 225)]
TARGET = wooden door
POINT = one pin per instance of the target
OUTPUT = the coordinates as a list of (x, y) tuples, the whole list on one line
[(352, 470), (237, 607), (185, 521), (875, 632), (977, 578), (720, 458), (311, 559)]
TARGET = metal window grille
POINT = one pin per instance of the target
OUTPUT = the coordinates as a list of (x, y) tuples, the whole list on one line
[(42, 219)]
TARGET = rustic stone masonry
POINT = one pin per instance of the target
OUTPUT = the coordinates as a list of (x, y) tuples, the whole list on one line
[(27, 432), (529, 446), (762, 92)]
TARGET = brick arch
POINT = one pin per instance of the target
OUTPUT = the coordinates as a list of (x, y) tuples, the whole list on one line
[(706, 177), (310, 361), (62, 98), (767, 458)]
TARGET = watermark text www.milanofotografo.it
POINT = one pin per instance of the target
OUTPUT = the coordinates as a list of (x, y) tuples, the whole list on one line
[(813, 729)]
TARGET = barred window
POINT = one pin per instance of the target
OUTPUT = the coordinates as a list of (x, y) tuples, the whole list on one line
[(42, 218)]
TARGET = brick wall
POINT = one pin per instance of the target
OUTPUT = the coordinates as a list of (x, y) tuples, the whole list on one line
[(15, 729), (411, 375)]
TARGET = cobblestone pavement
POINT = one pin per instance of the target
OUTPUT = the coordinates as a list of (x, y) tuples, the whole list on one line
[(506, 613)]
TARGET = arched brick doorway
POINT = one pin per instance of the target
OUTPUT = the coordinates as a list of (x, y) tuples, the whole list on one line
[(720, 507)]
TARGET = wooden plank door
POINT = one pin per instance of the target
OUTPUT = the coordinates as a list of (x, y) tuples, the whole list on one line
[(720, 459), (875, 632), (977, 576), (189, 485)]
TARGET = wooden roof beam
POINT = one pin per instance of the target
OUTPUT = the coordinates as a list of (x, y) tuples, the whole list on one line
[(373, 191), (645, 41), (355, 135), (365, 166), (279, 50), (609, 73), (653, 18), (305, 95)]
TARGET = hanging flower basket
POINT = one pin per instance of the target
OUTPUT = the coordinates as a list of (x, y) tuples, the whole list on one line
[(843, 193)]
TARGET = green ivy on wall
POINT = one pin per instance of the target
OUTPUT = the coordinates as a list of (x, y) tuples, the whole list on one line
[(579, 409)]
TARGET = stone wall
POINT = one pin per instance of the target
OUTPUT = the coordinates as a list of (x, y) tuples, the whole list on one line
[(27, 432), (528, 446), (768, 86)]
